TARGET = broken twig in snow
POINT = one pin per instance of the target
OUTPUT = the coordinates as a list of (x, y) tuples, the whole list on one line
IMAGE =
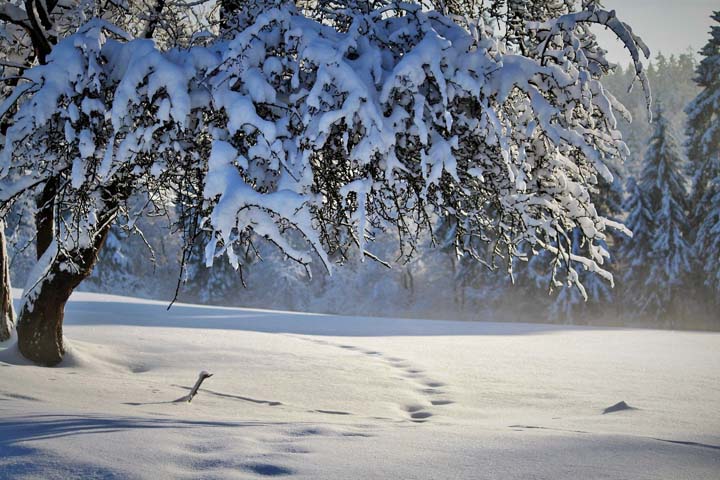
[(201, 378)]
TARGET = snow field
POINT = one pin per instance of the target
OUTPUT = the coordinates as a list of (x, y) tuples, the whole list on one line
[(318, 396)]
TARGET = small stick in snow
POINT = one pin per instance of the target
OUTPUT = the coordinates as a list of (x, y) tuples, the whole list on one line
[(201, 378)]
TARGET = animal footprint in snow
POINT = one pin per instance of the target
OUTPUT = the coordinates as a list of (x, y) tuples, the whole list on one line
[(331, 412), (431, 391), (433, 384), (267, 469), (293, 449), (412, 372), (417, 413), (413, 408), (420, 415)]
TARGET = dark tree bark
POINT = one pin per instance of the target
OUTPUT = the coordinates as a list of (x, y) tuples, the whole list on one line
[(7, 314), (42, 43), (45, 217), (40, 323)]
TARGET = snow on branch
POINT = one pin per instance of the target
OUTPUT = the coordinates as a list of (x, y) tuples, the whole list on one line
[(313, 136), (566, 25)]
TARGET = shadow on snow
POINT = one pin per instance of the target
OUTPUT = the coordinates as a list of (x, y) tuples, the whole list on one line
[(155, 314)]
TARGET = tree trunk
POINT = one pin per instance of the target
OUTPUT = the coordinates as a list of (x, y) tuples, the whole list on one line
[(45, 217), (40, 322), (7, 314)]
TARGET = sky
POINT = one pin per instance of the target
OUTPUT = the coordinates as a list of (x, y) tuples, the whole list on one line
[(667, 26)]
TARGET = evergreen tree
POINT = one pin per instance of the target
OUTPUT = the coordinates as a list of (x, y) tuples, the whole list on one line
[(212, 285), (703, 150), (672, 80), (635, 252), (114, 265), (707, 242), (659, 215)]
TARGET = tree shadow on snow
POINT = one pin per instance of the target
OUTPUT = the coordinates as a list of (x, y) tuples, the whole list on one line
[(155, 314), (24, 462), (19, 458), (43, 427)]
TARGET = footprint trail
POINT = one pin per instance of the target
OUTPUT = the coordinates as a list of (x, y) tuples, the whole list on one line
[(430, 390)]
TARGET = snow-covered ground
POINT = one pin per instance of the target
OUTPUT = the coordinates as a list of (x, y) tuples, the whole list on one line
[(326, 397)]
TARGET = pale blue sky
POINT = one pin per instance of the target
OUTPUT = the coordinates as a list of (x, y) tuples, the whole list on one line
[(667, 26)]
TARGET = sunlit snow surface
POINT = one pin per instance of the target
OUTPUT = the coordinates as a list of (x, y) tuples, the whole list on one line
[(326, 397)]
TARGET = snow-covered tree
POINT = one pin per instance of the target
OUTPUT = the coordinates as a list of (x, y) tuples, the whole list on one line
[(7, 314), (14, 241), (579, 305), (114, 263), (671, 79), (703, 151), (574, 305), (27, 33), (29, 30), (661, 254), (635, 253), (211, 284), (313, 137)]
